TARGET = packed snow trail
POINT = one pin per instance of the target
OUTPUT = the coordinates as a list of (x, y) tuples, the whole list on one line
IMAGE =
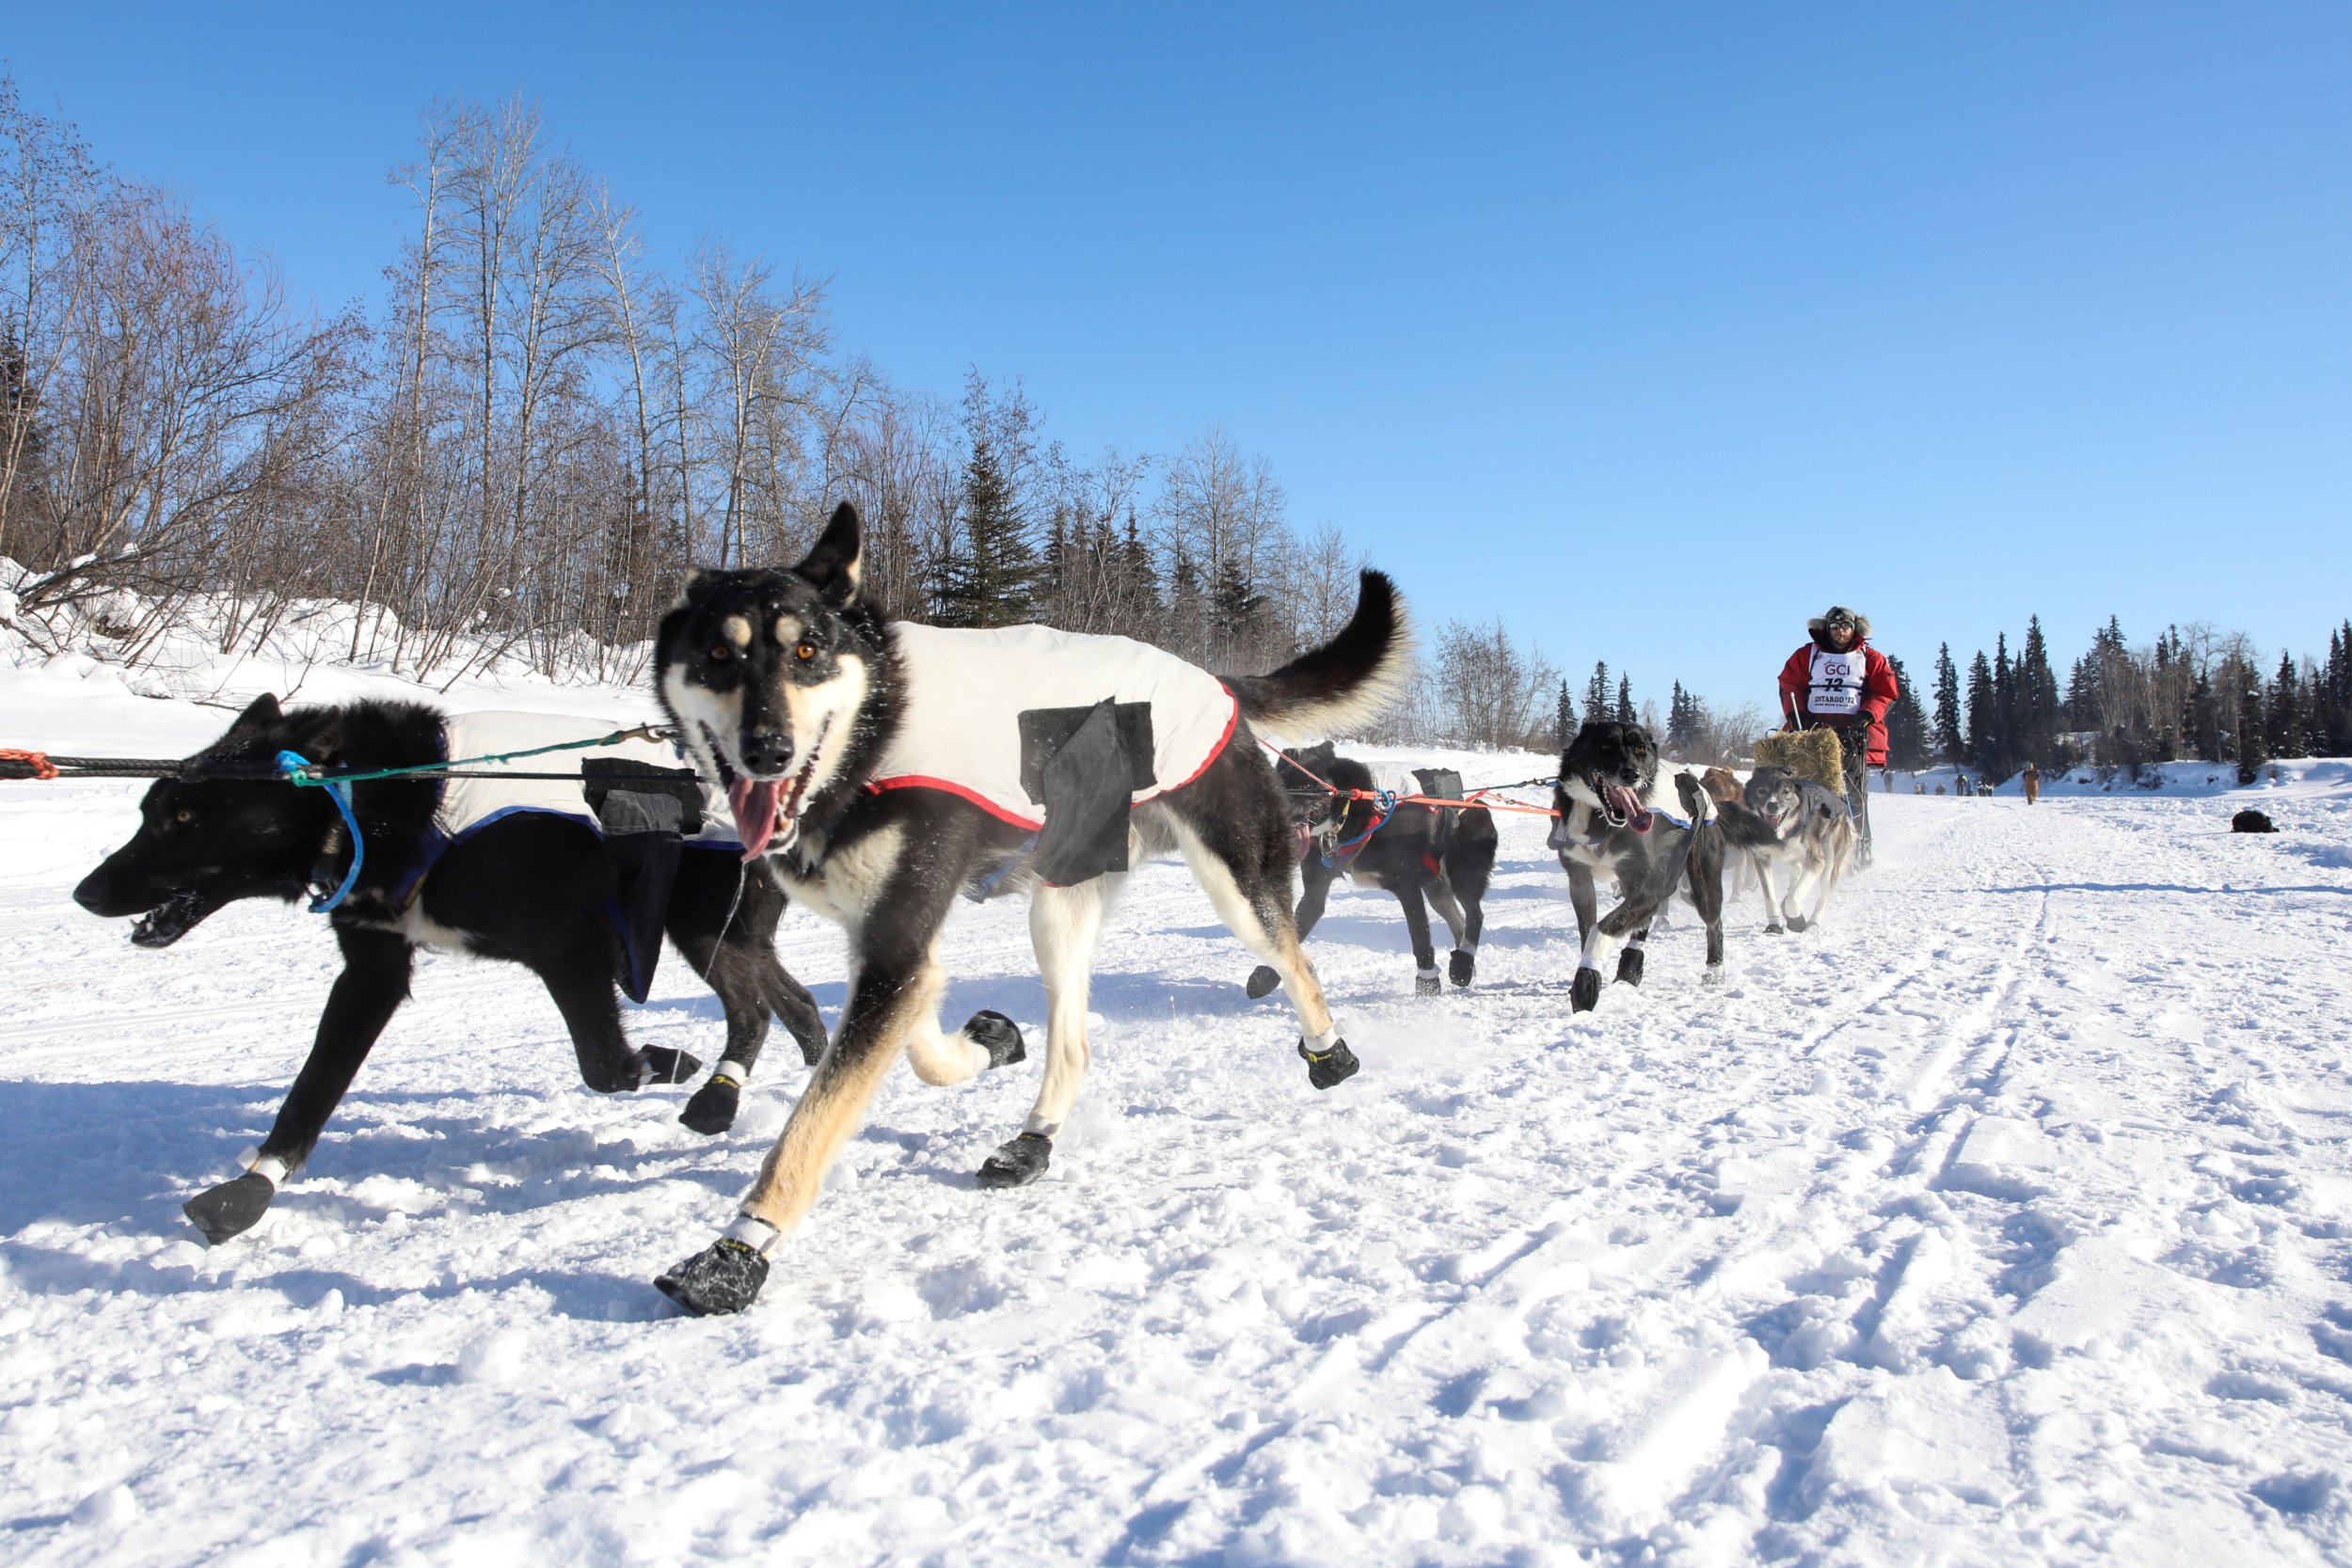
[(2006, 1218)]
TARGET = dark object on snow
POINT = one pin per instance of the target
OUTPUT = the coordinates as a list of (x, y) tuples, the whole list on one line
[(1329, 1070), (232, 1208), (1019, 1162), (724, 1277), (2252, 821)]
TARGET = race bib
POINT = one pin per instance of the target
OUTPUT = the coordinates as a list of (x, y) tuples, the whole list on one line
[(1837, 683)]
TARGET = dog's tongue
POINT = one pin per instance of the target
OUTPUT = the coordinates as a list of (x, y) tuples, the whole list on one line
[(754, 803), (1637, 817)]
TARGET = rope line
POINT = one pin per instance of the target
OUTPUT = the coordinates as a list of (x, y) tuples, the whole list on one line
[(16, 764)]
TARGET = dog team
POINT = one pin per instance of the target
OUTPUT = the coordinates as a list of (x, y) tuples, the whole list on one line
[(875, 770)]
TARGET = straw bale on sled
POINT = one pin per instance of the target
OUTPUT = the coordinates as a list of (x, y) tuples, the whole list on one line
[(1808, 753)]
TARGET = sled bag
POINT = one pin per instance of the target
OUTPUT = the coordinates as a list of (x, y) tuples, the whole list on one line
[(641, 832), (1086, 772)]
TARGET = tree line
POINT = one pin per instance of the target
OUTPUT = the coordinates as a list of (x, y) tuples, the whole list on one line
[(2196, 693), (524, 444)]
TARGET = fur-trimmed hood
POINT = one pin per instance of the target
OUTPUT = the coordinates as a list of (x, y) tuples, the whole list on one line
[(1819, 623)]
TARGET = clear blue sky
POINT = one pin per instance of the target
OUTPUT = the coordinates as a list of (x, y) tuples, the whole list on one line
[(1651, 329)]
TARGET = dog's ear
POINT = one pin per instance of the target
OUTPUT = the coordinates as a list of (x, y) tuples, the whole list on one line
[(699, 583), (259, 715), (832, 565)]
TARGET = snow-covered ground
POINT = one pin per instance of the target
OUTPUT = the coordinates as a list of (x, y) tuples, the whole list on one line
[(2009, 1219)]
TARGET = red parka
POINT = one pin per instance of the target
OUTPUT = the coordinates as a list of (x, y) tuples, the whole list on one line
[(1879, 689)]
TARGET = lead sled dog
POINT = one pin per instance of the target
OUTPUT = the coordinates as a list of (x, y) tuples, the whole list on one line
[(884, 767)]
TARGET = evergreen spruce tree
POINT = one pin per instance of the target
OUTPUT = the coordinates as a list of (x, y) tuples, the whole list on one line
[(1983, 720), (1950, 741), (1237, 613), (2037, 699), (2002, 761), (2205, 719), (2287, 735), (1597, 701), (1624, 713), (992, 577), (1565, 721), (2252, 749), (1907, 740), (1681, 720)]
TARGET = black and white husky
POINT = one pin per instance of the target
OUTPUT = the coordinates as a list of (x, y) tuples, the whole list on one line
[(886, 768), (1793, 830), (1439, 857), (1611, 822), (536, 887)]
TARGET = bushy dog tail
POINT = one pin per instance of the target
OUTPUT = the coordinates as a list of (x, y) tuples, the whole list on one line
[(1343, 685)]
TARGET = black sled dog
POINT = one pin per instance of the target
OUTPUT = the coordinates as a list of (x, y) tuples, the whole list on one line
[(531, 886), (886, 768), (1609, 822), (1427, 856)]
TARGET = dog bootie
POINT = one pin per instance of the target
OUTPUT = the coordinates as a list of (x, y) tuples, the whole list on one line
[(1461, 965), (1328, 1069), (1630, 967), (230, 1208), (997, 1034), (724, 1277), (1584, 995), (1262, 981), (1428, 983), (1018, 1162), (658, 1064), (711, 1111)]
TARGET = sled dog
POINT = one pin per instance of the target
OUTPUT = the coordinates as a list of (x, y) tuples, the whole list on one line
[(1798, 836), (535, 886), (1609, 823), (1427, 856), (885, 768)]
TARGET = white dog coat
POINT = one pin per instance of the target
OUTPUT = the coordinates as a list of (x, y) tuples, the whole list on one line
[(962, 723)]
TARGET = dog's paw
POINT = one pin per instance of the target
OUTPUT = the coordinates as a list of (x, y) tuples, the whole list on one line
[(809, 1036), (1774, 931), (230, 1208), (658, 1064), (1329, 1069), (1019, 1162), (1630, 966), (1712, 977), (711, 1111), (724, 1277), (1462, 966), (1431, 984), (1262, 981), (997, 1034), (1584, 995), (1798, 924)]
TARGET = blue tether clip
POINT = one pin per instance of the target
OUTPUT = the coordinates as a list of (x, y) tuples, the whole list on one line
[(297, 768), (1384, 805)]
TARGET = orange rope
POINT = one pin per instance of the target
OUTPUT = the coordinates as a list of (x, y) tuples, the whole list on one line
[(35, 764)]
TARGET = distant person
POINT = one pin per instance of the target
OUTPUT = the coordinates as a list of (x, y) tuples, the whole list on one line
[(2033, 783)]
